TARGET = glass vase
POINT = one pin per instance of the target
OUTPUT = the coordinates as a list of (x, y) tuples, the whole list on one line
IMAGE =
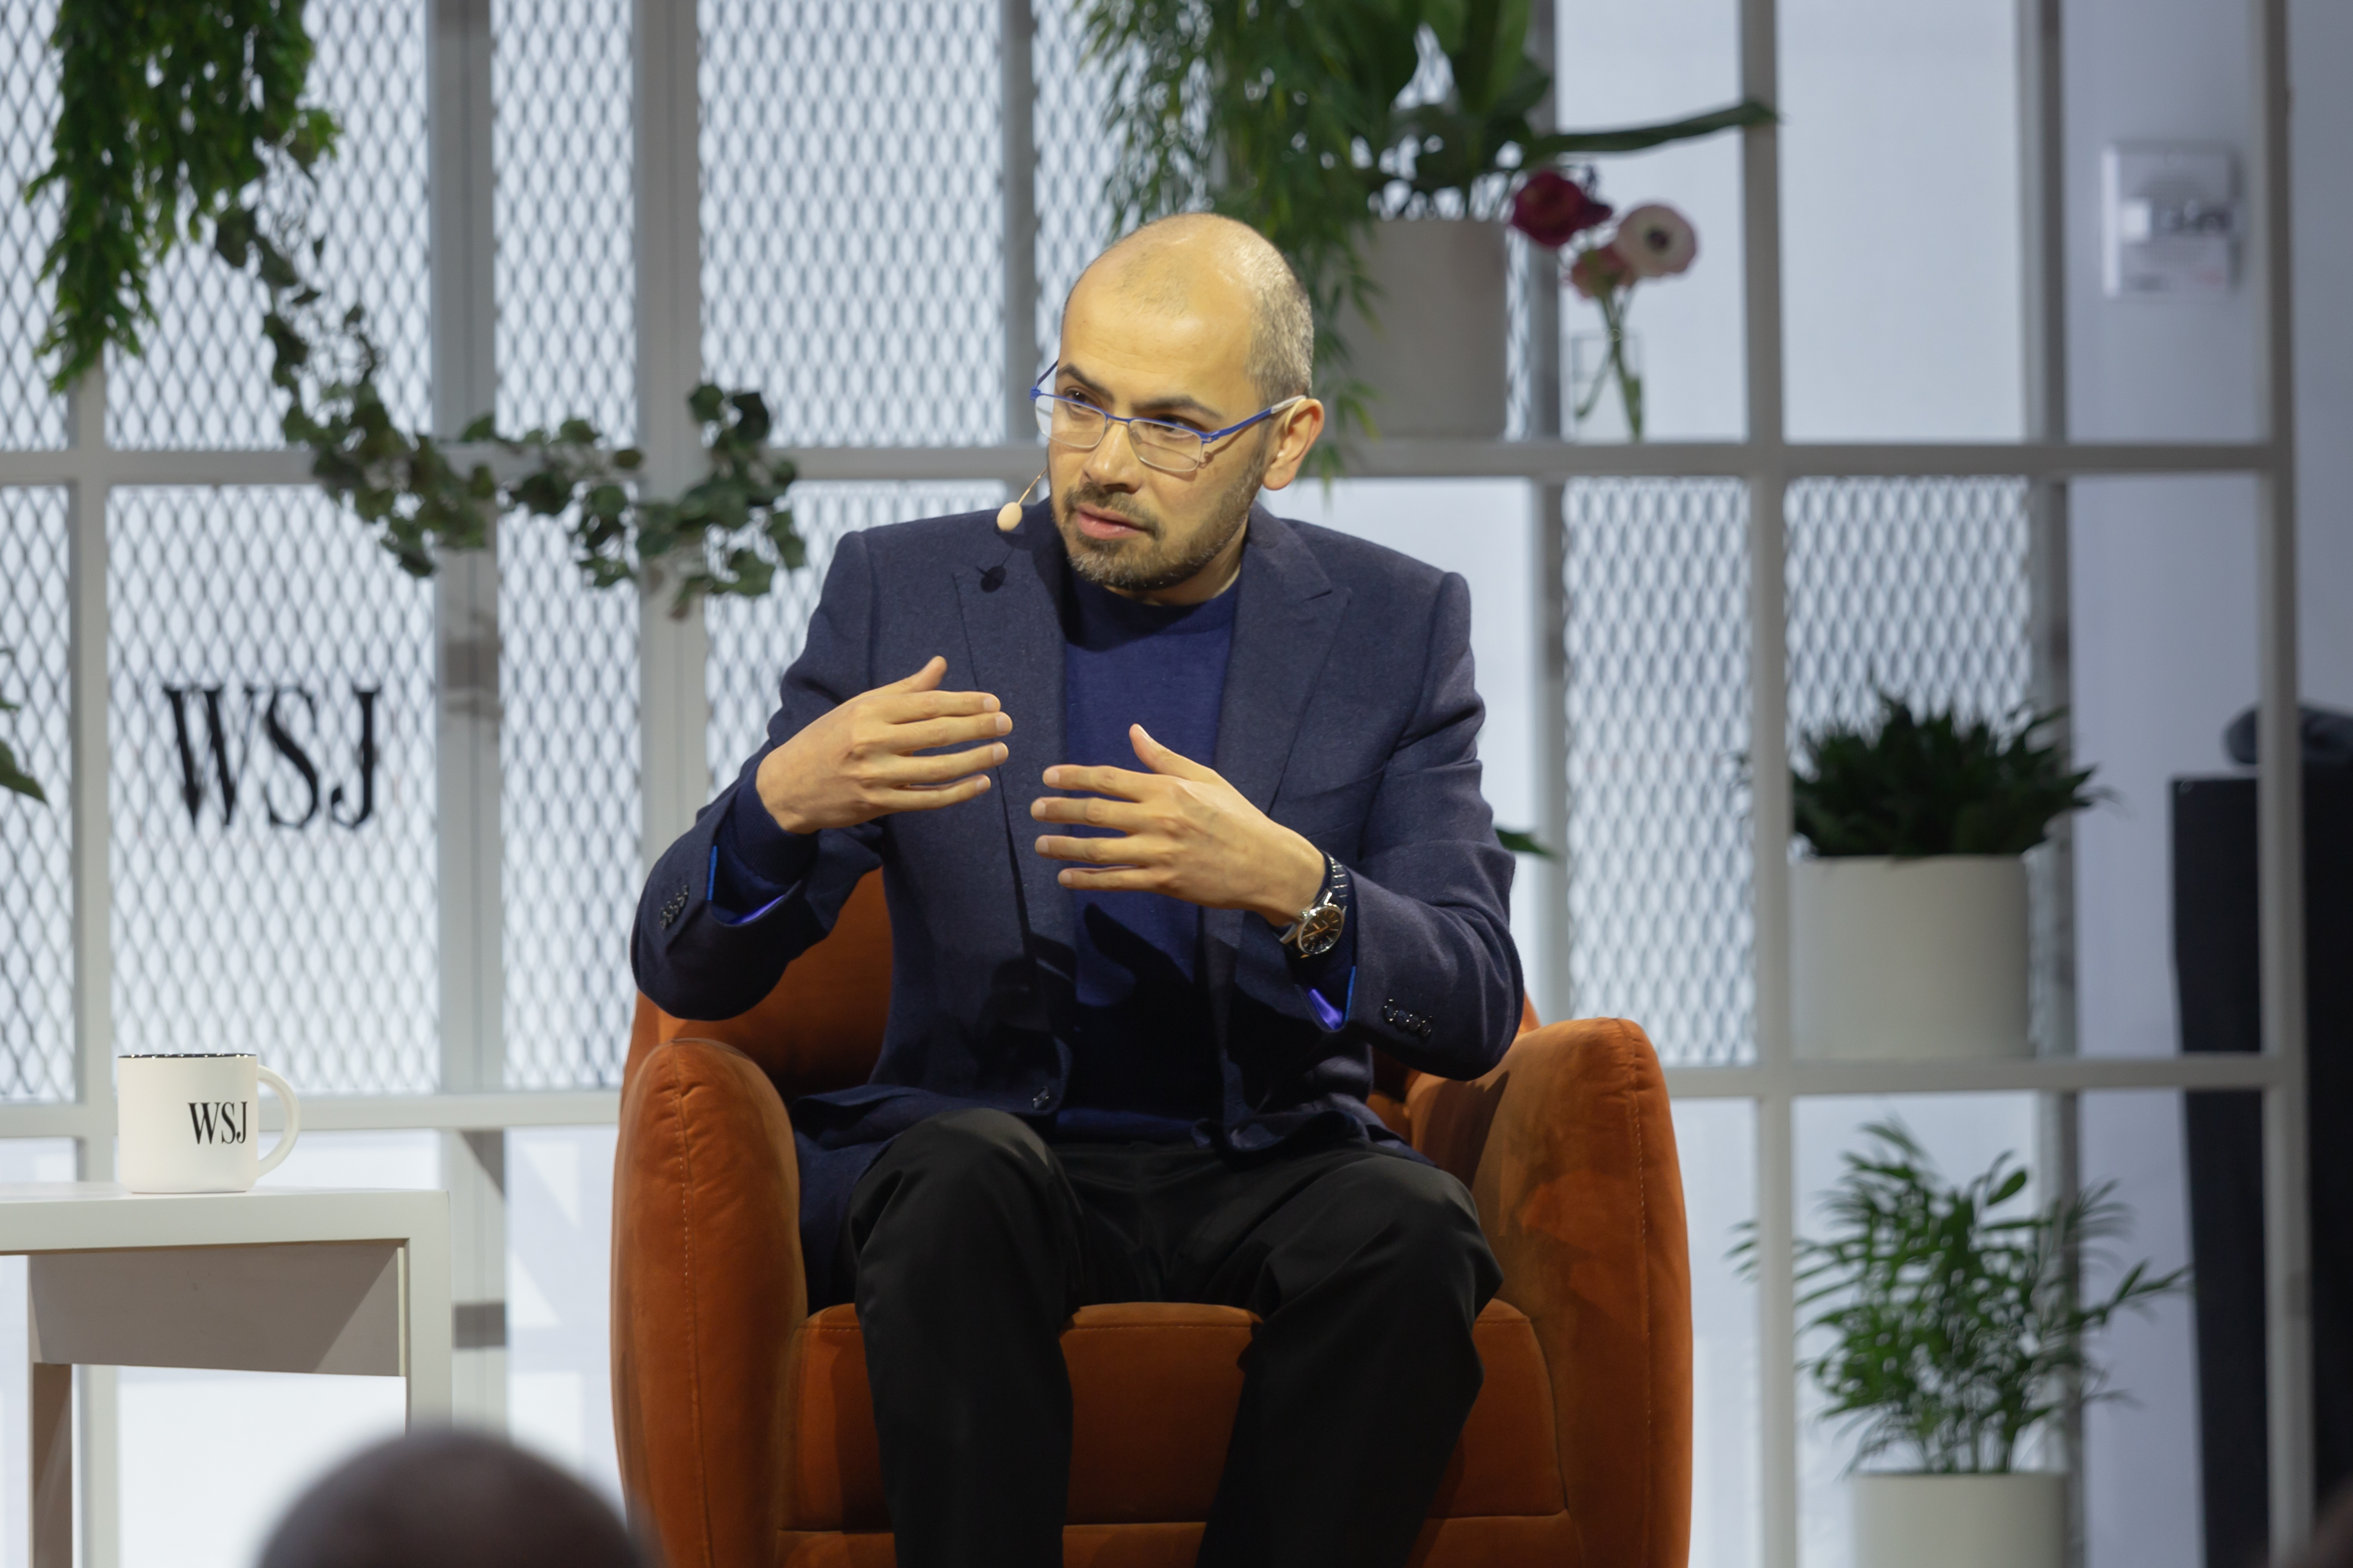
[(1605, 386)]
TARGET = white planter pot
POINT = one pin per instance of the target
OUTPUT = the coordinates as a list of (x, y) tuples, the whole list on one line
[(2016, 1521), (1434, 349), (1906, 960)]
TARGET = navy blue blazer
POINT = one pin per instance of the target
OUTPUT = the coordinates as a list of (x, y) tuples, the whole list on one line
[(1349, 715)]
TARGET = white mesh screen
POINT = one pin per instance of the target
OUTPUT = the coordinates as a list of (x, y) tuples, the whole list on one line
[(36, 967), (259, 906), (203, 379)]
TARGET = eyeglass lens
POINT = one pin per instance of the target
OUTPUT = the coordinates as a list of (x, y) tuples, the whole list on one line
[(1073, 424)]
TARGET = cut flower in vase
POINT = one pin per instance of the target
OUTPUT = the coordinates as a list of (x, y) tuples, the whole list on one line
[(1655, 241), (1553, 209), (1652, 240)]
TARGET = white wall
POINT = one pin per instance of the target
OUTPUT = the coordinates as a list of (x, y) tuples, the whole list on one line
[(1901, 268), (2165, 629)]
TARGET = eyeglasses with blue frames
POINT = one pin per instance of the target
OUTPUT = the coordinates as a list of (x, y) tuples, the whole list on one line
[(1172, 448)]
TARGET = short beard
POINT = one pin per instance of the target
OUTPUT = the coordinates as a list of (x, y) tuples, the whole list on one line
[(1125, 568)]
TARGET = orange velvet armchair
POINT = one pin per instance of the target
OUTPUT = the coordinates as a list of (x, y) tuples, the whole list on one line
[(744, 1429)]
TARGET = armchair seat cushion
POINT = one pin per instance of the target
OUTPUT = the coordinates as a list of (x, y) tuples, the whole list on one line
[(1154, 1387)]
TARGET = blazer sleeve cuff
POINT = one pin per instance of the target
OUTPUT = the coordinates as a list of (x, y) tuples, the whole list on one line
[(754, 863), (1329, 979)]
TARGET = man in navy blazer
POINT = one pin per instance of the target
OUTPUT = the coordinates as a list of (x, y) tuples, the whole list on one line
[(1176, 806)]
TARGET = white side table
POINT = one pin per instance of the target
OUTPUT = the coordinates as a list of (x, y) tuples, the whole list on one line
[(270, 1280)]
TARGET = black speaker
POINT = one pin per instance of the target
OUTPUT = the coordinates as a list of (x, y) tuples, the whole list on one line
[(2216, 971)]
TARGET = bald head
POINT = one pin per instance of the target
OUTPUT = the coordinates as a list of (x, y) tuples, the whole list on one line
[(1174, 265)]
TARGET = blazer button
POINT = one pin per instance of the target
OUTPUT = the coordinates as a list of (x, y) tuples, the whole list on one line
[(1038, 1102)]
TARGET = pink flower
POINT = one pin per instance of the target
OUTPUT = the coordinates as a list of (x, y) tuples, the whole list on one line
[(1655, 241), (1598, 271), (1551, 209)]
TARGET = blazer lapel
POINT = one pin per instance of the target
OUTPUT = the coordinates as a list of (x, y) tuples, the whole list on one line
[(1284, 625), (1011, 599)]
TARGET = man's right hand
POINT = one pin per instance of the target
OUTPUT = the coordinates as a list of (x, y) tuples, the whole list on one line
[(857, 763)]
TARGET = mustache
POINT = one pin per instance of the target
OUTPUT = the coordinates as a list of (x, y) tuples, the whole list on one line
[(1095, 498)]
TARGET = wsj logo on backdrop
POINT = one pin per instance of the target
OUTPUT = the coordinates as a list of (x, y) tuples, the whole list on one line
[(216, 759)]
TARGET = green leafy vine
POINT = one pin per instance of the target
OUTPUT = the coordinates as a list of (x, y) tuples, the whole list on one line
[(176, 119)]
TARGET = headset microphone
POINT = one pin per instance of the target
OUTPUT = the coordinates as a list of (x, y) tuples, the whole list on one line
[(1008, 516)]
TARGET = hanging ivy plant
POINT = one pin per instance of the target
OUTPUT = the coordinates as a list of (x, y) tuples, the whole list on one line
[(187, 117)]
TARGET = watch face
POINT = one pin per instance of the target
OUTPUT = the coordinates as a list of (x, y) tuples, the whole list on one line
[(1319, 930)]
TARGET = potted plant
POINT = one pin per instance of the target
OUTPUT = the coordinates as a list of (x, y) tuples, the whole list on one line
[(1314, 120), (1956, 1333), (1908, 919)]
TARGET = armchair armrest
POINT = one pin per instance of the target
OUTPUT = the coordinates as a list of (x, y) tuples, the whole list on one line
[(707, 1288), (1569, 1148)]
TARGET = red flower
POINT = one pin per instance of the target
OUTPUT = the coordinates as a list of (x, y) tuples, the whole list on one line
[(1552, 209)]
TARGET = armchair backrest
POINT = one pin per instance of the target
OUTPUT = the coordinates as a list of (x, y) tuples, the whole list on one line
[(821, 1028)]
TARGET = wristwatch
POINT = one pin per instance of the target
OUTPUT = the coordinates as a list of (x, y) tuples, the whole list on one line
[(1318, 927)]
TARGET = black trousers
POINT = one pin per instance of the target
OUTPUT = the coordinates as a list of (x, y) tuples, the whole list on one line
[(973, 1241)]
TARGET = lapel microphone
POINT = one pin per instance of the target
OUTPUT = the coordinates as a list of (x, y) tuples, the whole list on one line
[(1008, 516)]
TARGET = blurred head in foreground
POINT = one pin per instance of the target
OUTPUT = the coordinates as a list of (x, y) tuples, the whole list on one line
[(450, 1500), (2332, 1537)]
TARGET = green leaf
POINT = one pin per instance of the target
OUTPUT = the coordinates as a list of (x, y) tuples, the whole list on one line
[(1522, 843), (543, 491), (1492, 47), (1641, 138), (785, 536), (15, 780), (751, 423)]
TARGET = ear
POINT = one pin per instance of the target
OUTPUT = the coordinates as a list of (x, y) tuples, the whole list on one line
[(1296, 429)]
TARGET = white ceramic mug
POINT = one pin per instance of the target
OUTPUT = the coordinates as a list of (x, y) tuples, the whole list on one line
[(187, 1123)]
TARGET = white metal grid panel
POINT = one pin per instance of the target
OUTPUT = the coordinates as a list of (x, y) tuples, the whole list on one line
[(37, 968), (1074, 156), (204, 380), (564, 213), (852, 223), (753, 641), (30, 414), (569, 811), (1661, 927), (301, 924), (1916, 586)]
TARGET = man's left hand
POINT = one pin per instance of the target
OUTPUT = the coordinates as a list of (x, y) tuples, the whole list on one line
[(1185, 832)]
